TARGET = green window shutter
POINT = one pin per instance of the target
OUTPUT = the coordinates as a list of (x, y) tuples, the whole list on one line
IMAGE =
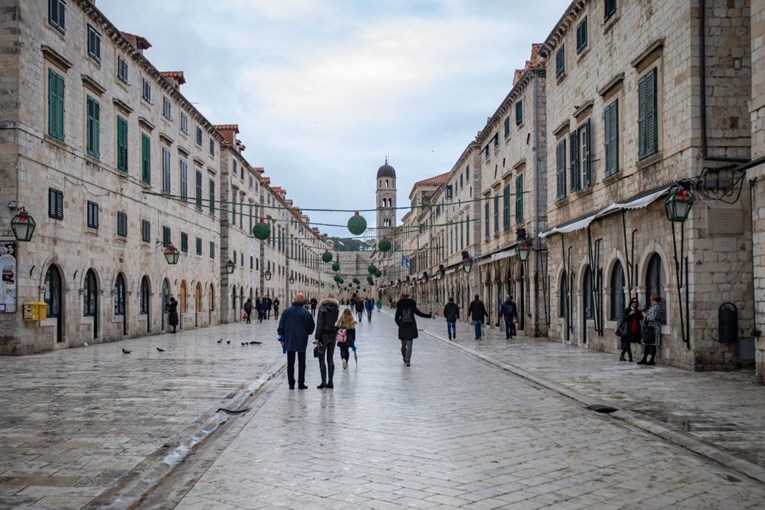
[(145, 159), (574, 150), (586, 136), (506, 206), (496, 213), (122, 144), (560, 170), (55, 105), (647, 118), (519, 198), (611, 137), (486, 219)]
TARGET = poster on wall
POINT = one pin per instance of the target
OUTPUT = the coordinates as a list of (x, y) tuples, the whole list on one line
[(8, 280)]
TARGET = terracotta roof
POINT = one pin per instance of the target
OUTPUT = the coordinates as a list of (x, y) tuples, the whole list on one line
[(227, 127), (431, 181), (259, 169), (177, 75), (277, 189), (139, 42), (266, 180)]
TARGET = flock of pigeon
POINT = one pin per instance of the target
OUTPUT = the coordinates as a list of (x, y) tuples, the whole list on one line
[(254, 342)]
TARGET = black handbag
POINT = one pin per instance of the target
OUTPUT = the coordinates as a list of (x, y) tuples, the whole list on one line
[(621, 329)]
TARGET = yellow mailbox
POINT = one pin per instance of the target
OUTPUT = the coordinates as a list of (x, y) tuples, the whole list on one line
[(35, 310)]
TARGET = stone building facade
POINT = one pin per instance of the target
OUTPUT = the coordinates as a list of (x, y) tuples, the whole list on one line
[(116, 166)]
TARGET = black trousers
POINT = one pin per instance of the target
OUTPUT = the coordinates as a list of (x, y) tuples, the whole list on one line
[(626, 348), (327, 370), (291, 367)]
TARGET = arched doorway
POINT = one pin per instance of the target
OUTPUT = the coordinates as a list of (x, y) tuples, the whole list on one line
[(210, 304), (120, 310), (144, 302), (90, 300), (618, 302), (197, 303), (183, 304), (655, 282), (588, 304), (53, 297), (564, 305), (164, 302)]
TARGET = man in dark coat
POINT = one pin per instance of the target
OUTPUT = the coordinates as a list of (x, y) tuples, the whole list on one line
[(477, 313), (510, 314), (406, 309), (248, 309), (451, 314), (276, 307), (295, 325), (268, 303), (172, 313), (326, 331), (313, 305)]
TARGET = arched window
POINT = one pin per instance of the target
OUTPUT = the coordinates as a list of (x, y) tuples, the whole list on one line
[(655, 281), (119, 295), (53, 290), (618, 301), (386, 183), (143, 297), (563, 296), (90, 293), (587, 301)]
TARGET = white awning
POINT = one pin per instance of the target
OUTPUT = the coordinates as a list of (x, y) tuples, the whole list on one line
[(570, 227), (498, 256)]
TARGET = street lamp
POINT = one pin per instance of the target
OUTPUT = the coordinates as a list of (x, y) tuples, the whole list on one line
[(267, 274), (230, 266), (677, 207), (678, 204), (23, 225), (467, 262), (172, 254), (523, 249), (292, 279)]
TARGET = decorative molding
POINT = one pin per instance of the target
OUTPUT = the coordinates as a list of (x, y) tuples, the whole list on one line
[(143, 121), (611, 84), (55, 57), (122, 105), (649, 55), (93, 85), (564, 126), (583, 110)]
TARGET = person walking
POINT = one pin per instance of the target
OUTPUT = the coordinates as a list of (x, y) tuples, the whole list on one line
[(313, 305), (406, 309), (248, 309), (451, 314), (632, 318), (510, 313), (326, 331), (172, 313), (378, 303), (268, 304), (651, 335), (346, 336), (477, 312), (369, 306), (359, 307), (276, 307), (259, 307), (295, 325)]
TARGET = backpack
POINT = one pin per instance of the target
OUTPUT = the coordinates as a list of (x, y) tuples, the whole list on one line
[(407, 316), (341, 335)]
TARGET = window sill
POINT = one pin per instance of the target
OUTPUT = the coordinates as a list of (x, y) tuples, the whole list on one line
[(614, 177), (581, 54), (649, 161), (610, 22), (55, 141), (583, 192), (560, 77)]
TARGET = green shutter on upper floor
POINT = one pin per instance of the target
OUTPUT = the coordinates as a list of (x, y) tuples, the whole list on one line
[(611, 137), (506, 206), (122, 144), (519, 198), (647, 118), (574, 150), (560, 170), (145, 158), (55, 105), (93, 127)]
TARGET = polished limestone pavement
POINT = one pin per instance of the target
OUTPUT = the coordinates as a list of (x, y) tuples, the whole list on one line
[(487, 424)]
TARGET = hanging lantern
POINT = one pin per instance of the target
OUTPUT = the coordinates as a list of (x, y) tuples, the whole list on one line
[(267, 274), (230, 266), (384, 245), (23, 225), (326, 256), (261, 230), (357, 224), (378, 273), (336, 267), (372, 269), (678, 204), (523, 249), (172, 254)]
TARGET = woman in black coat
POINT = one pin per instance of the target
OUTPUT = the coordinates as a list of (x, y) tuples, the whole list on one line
[(326, 331), (406, 309), (632, 317), (172, 313)]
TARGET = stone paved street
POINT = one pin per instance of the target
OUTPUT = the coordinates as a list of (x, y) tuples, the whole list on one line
[(489, 424)]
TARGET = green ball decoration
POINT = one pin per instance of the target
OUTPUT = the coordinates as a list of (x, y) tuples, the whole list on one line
[(357, 224), (261, 230), (326, 256), (384, 245), (341, 280), (337, 278), (356, 281), (370, 280), (372, 269), (378, 273)]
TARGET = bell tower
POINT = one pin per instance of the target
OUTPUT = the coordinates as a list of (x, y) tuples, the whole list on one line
[(386, 200)]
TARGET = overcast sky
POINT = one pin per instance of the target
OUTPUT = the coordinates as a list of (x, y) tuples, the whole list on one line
[(324, 90)]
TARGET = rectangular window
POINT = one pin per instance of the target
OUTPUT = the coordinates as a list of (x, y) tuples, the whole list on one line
[(122, 144), (184, 123), (519, 198), (122, 69), (145, 231), (199, 135), (166, 239), (581, 36), (55, 204), (234, 166), (184, 171), (507, 127), (506, 207), (610, 9), (93, 127), (145, 158), (212, 147), (199, 246), (212, 250), (212, 196), (573, 145), (92, 214), (467, 173), (449, 192), (122, 224), (560, 170), (560, 61), (167, 108), (165, 170), (519, 113), (233, 210), (486, 219), (496, 213), (199, 190), (57, 14), (94, 44), (611, 137), (145, 90), (55, 105), (648, 128), (184, 242)]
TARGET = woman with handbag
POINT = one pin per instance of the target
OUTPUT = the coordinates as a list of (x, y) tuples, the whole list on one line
[(346, 336), (651, 336), (326, 331), (630, 328)]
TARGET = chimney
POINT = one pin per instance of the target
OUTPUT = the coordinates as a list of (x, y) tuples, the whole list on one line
[(228, 132), (175, 78)]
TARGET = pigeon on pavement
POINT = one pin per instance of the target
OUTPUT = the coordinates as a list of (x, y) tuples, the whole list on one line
[(220, 341), (125, 351), (160, 350)]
